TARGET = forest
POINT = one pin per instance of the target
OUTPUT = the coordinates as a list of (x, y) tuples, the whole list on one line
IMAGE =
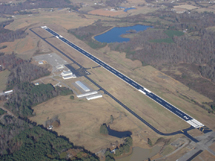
[(9, 35), (186, 39), (21, 70), (85, 34), (114, 3), (195, 47), (22, 140), (12, 8), (121, 149), (27, 94)]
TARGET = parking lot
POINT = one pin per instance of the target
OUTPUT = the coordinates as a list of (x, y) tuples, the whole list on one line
[(53, 59)]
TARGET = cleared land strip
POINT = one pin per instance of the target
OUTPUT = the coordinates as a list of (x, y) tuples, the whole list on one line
[(143, 90)]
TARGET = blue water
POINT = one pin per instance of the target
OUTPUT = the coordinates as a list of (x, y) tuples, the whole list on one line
[(119, 134), (125, 10), (114, 35)]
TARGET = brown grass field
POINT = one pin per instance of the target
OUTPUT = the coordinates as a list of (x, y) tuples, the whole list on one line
[(81, 120), (206, 155), (188, 7), (3, 79), (23, 47), (104, 12), (67, 20)]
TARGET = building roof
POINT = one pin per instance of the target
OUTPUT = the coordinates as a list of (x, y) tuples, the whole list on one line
[(64, 73), (80, 84)]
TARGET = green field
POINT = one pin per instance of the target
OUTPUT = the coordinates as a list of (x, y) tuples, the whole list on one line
[(2, 112), (171, 34)]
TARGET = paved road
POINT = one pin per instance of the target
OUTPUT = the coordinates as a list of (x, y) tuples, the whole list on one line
[(184, 131), (193, 122), (205, 141)]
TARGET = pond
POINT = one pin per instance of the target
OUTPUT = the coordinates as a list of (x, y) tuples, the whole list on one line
[(126, 9), (114, 35), (119, 134)]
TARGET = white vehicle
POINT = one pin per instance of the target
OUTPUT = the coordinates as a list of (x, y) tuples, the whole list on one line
[(57, 37)]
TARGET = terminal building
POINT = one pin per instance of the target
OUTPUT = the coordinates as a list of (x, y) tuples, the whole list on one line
[(67, 75)]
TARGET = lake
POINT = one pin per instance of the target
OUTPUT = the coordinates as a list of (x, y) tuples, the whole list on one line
[(114, 35)]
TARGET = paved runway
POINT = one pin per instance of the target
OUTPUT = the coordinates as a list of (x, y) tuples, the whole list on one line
[(193, 122)]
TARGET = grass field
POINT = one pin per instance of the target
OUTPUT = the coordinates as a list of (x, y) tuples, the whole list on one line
[(171, 34), (206, 155), (3, 79), (188, 7), (81, 119), (25, 47), (67, 20)]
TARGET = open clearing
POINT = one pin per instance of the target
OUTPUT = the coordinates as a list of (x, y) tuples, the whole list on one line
[(25, 47), (81, 119), (105, 12), (188, 7), (3, 79), (67, 20)]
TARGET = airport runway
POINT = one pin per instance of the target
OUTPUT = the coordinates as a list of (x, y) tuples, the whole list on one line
[(184, 131), (193, 122)]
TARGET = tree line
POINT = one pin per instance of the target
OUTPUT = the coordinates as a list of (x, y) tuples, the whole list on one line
[(27, 94), (85, 34), (121, 149), (9, 35), (12, 8), (21, 70), (23, 140)]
